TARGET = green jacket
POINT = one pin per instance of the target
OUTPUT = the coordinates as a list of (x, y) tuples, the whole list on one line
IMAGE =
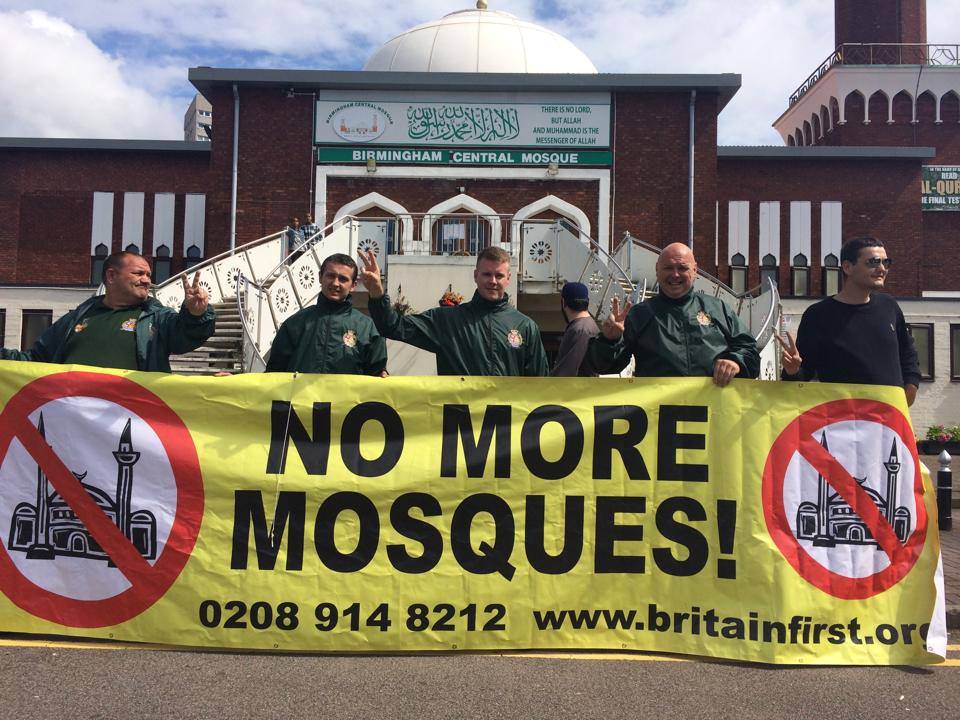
[(478, 337), (329, 337), (160, 332), (678, 338)]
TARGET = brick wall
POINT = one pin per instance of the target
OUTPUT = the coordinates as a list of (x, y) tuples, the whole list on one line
[(880, 198), (275, 167), (652, 164), (880, 21), (46, 206), (945, 137)]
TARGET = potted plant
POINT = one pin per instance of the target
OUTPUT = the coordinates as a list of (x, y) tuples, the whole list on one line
[(939, 438)]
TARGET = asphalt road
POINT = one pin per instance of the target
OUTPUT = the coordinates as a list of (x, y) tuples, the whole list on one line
[(68, 680)]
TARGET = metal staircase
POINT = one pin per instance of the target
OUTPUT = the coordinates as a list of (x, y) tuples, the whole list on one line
[(256, 287), (223, 352)]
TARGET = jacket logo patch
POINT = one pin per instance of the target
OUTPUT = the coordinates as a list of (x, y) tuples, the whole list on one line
[(130, 324), (514, 338), (350, 338), (704, 319), (80, 326)]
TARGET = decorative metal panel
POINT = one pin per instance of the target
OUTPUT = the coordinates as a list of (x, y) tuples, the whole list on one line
[(283, 299), (539, 248), (264, 258)]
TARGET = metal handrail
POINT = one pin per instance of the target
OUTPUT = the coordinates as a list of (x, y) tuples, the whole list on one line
[(766, 327), (308, 244), (241, 278), (880, 54), (596, 248), (702, 273), (216, 258)]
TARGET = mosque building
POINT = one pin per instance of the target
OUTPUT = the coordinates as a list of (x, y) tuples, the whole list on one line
[(481, 128)]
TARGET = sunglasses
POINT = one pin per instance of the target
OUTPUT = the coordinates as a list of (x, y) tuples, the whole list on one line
[(877, 262)]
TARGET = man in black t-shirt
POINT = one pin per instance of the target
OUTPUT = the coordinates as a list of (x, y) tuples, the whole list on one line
[(858, 335)]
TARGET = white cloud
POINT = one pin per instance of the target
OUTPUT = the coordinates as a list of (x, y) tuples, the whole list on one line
[(55, 82), (142, 50)]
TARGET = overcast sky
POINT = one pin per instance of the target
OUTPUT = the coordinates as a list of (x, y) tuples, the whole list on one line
[(118, 68)]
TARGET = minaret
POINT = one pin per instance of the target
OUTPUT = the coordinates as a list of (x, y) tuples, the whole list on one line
[(41, 549), (880, 21), (822, 538), (126, 458), (892, 467)]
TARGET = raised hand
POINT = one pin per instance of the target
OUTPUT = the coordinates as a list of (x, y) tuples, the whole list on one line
[(370, 274), (790, 357), (613, 324), (194, 296)]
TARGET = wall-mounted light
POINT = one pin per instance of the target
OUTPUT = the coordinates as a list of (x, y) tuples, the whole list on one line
[(290, 93), (553, 169), (371, 165)]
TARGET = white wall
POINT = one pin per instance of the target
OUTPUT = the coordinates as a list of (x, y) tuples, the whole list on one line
[(938, 402), (16, 299), (424, 279)]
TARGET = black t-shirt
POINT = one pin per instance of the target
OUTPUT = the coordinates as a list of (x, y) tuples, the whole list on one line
[(867, 343)]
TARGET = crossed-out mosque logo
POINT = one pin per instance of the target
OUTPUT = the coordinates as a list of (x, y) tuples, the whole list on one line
[(49, 527), (829, 521), (119, 462)]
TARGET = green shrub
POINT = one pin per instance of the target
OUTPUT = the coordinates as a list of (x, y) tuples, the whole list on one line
[(943, 433)]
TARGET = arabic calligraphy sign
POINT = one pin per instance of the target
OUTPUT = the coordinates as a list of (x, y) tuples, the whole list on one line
[(580, 120)]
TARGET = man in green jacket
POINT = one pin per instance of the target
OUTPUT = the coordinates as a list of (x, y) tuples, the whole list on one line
[(125, 328), (485, 336), (677, 333), (331, 336)]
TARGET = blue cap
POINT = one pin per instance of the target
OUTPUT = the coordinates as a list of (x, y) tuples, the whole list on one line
[(574, 291)]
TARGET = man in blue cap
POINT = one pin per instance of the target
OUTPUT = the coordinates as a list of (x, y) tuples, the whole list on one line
[(575, 303)]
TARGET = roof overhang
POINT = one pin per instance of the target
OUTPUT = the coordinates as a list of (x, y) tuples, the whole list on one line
[(823, 152), (189, 146), (725, 85)]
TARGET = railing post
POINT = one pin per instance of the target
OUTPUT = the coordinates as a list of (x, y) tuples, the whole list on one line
[(944, 492)]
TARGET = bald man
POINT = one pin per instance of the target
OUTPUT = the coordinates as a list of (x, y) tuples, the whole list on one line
[(678, 333)]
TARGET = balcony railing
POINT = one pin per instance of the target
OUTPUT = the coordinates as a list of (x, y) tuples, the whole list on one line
[(881, 54)]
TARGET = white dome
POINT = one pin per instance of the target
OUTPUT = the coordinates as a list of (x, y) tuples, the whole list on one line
[(484, 41)]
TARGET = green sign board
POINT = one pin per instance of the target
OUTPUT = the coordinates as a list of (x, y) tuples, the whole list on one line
[(482, 156), (940, 187)]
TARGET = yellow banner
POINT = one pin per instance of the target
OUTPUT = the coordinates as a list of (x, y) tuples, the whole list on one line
[(770, 522)]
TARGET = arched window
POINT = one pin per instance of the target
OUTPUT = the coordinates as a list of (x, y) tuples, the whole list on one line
[(460, 225), (855, 107), (800, 276), (161, 264), (903, 108), (381, 217), (460, 234), (193, 257), (878, 108), (738, 274), (100, 253), (832, 275), (769, 273)]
